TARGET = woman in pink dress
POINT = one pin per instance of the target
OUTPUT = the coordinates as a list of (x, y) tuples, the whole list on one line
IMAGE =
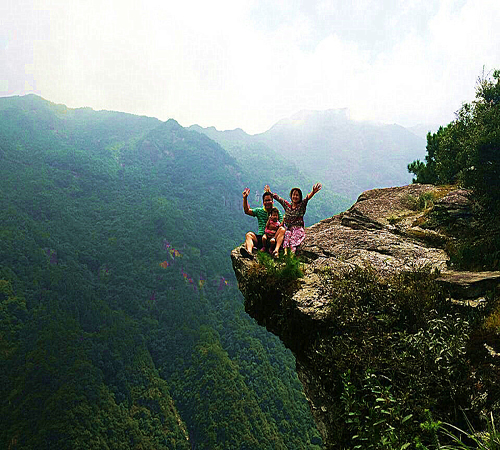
[(294, 216)]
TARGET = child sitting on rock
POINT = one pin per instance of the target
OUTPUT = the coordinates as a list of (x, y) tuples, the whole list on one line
[(272, 226)]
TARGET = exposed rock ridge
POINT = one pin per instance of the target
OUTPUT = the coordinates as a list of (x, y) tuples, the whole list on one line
[(381, 230)]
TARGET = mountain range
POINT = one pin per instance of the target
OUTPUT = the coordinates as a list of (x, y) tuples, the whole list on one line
[(346, 156), (121, 325)]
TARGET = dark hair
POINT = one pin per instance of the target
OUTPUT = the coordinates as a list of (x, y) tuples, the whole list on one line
[(299, 191), (274, 210), (266, 193)]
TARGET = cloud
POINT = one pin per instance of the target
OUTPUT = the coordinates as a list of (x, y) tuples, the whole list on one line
[(251, 63), (20, 26)]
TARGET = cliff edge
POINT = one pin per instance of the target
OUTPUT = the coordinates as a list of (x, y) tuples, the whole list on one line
[(376, 302)]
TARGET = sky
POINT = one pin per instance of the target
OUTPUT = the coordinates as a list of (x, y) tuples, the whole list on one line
[(250, 63)]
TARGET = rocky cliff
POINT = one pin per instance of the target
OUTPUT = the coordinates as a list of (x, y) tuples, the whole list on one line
[(379, 310)]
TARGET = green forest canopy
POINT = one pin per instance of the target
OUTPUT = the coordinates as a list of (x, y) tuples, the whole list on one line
[(121, 325)]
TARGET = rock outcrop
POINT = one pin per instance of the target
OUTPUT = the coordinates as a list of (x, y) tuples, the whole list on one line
[(382, 231)]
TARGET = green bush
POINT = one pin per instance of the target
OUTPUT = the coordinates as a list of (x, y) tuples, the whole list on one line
[(423, 201), (395, 348), (471, 439), (284, 269)]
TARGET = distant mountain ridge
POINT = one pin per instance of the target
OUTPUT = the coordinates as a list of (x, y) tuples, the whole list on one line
[(263, 165), (347, 156), (351, 156), (422, 129)]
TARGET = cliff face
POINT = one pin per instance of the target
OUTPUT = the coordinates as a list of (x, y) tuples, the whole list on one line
[(376, 279)]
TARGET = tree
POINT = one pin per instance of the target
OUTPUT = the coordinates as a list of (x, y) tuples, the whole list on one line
[(483, 120), (467, 150)]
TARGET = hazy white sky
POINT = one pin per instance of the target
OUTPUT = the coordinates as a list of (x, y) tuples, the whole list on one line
[(250, 63)]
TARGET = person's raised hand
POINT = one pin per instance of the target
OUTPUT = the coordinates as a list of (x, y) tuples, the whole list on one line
[(246, 192), (267, 188), (317, 187)]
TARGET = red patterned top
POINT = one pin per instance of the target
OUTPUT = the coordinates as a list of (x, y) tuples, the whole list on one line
[(294, 217)]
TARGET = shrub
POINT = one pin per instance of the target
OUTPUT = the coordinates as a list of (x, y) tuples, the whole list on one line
[(396, 347), (285, 269), (423, 201)]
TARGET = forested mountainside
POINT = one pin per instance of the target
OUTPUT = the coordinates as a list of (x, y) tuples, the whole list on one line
[(120, 322)]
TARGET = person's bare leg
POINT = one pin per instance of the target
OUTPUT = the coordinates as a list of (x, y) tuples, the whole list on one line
[(264, 242), (279, 236), (250, 239)]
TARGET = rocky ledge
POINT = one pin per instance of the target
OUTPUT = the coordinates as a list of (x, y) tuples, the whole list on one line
[(385, 232)]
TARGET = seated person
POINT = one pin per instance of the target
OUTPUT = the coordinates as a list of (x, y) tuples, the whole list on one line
[(294, 215), (262, 215), (272, 226)]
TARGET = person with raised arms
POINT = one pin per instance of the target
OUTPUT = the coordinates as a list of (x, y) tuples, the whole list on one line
[(294, 215), (262, 214)]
